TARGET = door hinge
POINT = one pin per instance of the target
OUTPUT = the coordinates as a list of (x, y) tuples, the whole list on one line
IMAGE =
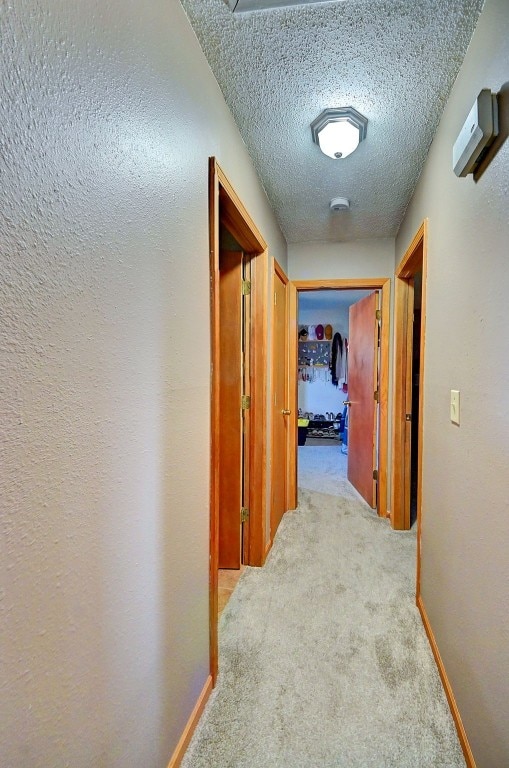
[(376, 395), (246, 287), (378, 314), (245, 402), (375, 474), (244, 514)]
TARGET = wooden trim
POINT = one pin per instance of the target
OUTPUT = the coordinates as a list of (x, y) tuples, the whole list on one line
[(236, 217), (258, 453), (268, 547), (225, 204), (382, 284), (214, 416), (411, 261), (278, 269), (462, 735), (341, 284), (420, 445), (293, 359), (191, 724)]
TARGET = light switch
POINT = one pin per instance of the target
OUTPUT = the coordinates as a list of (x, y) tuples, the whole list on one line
[(455, 406)]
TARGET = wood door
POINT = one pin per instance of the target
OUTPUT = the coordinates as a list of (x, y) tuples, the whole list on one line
[(293, 394), (280, 414), (246, 413), (407, 484), (362, 385), (230, 412), (409, 338)]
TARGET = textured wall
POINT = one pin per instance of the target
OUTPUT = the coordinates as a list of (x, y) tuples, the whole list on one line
[(465, 562), (360, 258), (108, 115)]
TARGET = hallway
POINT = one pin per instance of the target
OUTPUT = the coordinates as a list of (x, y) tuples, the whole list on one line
[(323, 657), (116, 119)]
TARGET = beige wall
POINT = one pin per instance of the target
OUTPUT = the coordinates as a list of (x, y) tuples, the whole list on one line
[(361, 258), (108, 115), (465, 560)]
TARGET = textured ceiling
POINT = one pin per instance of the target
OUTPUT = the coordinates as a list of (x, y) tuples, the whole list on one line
[(393, 60)]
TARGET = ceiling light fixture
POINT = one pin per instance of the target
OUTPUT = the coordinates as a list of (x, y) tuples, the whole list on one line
[(239, 6), (338, 132)]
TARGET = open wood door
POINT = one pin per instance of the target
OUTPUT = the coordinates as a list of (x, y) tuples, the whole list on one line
[(362, 391), (230, 393), (280, 411), (293, 394)]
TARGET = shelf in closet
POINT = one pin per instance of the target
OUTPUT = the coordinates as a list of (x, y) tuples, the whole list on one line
[(314, 354)]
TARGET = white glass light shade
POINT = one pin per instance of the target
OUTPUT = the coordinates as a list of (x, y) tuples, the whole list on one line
[(338, 139), (338, 132)]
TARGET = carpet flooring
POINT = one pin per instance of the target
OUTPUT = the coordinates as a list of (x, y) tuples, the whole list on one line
[(324, 662)]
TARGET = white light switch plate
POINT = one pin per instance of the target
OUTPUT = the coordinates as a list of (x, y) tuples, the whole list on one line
[(455, 406)]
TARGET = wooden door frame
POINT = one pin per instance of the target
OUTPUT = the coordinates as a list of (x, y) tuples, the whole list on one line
[(225, 207), (382, 284), (413, 261)]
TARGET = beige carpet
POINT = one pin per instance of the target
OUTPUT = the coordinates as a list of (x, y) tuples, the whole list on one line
[(324, 660)]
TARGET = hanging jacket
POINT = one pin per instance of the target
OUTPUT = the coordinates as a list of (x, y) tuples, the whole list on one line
[(336, 366)]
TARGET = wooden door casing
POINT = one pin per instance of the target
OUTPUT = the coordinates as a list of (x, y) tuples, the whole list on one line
[(227, 209)]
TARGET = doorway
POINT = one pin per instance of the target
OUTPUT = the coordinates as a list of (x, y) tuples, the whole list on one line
[(380, 325), (247, 351), (409, 338)]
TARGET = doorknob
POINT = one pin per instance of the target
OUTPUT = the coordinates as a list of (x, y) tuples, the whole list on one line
[(347, 402), (285, 412)]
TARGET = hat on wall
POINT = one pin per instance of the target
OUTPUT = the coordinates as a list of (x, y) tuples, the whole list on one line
[(311, 333), (328, 332), (303, 333), (319, 332)]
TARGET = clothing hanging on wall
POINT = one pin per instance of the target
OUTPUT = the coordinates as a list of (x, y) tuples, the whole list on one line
[(314, 373), (338, 359)]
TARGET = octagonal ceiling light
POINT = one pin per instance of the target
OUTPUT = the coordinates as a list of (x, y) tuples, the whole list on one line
[(339, 131)]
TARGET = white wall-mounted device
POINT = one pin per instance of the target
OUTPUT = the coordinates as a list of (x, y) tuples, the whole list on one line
[(478, 132)]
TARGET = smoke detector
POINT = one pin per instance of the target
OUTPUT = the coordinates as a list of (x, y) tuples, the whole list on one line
[(339, 204)]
